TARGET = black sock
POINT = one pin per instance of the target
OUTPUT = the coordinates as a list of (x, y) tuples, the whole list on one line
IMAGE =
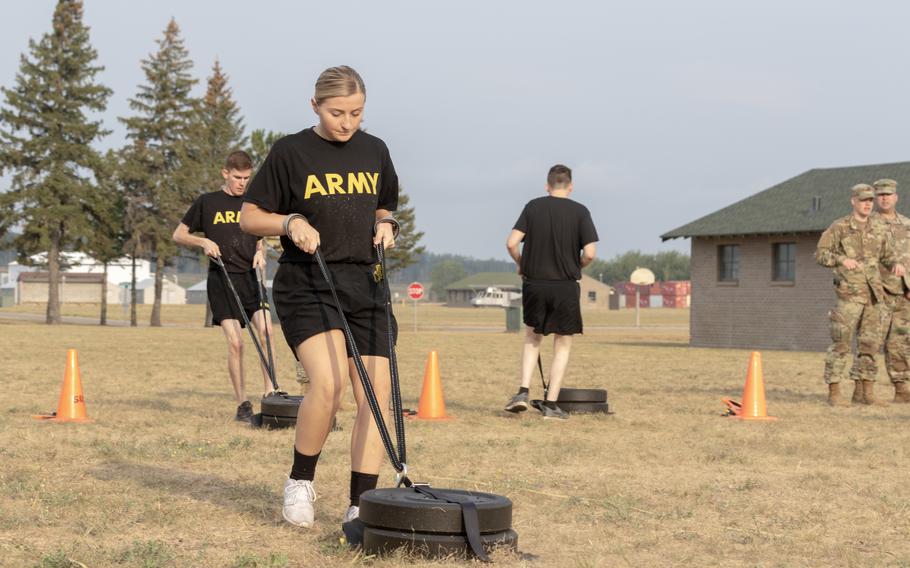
[(304, 466), (549, 403), (360, 483), (523, 390)]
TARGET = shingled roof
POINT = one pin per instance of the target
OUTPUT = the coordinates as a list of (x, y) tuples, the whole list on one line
[(809, 202)]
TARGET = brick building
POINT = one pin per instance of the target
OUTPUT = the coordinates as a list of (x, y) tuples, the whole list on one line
[(755, 283)]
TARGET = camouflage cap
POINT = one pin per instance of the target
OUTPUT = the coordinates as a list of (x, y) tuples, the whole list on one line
[(862, 191), (885, 186)]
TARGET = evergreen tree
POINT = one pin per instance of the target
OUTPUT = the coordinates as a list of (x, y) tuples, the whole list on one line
[(406, 250), (220, 127), (163, 160), (46, 143), (260, 143), (107, 214)]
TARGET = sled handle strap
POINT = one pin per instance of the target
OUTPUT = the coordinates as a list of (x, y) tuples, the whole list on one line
[(546, 386), (393, 364), (246, 320), (264, 304), (369, 393), (468, 516)]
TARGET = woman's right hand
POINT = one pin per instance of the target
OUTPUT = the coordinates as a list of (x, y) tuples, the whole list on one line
[(303, 235)]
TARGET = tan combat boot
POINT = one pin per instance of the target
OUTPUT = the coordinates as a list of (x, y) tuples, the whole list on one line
[(834, 394), (857, 392), (869, 394), (901, 392)]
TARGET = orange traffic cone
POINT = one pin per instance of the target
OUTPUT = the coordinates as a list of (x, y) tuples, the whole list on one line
[(753, 406), (432, 406), (71, 407)]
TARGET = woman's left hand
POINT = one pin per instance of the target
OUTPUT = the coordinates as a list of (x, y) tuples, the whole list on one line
[(385, 235)]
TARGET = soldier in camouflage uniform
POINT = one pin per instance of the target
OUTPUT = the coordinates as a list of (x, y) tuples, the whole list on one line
[(854, 246), (895, 310)]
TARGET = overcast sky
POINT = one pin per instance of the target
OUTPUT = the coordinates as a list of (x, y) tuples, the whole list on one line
[(665, 111)]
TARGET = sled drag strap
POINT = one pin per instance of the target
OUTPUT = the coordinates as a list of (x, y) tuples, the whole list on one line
[(546, 386), (264, 304), (468, 516), (398, 460), (246, 321)]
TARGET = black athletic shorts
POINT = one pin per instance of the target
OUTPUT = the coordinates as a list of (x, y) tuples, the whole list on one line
[(305, 305), (224, 305), (552, 306)]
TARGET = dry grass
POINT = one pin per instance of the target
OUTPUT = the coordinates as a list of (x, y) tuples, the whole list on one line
[(430, 316), (165, 478)]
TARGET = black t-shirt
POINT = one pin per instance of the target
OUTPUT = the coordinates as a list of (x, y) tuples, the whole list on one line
[(337, 186), (217, 214), (556, 229)]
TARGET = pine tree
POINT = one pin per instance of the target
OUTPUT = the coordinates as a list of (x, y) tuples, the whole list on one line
[(161, 161), (220, 127), (406, 250), (260, 143), (106, 211), (46, 143)]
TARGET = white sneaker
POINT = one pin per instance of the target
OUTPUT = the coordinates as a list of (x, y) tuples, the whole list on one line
[(299, 497), (352, 513)]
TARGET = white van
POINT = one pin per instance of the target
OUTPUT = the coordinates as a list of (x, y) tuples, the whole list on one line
[(495, 297)]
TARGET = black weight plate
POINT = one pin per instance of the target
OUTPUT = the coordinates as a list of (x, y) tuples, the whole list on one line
[(285, 405), (584, 407), (581, 395), (276, 422), (407, 510), (378, 541)]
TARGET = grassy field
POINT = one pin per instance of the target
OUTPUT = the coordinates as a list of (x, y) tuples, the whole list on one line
[(165, 478), (429, 315)]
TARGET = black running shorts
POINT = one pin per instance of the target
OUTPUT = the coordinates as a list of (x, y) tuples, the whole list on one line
[(224, 305), (305, 305), (552, 306)]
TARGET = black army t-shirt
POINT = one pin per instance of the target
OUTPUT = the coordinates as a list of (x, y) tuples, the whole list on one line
[(217, 214), (556, 229), (337, 186)]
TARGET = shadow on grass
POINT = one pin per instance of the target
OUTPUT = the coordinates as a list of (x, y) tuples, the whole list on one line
[(644, 343), (256, 500)]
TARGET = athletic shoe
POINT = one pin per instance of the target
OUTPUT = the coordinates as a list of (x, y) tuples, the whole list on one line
[(352, 513), (553, 413), (299, 497), (518, 403), (244, 411)]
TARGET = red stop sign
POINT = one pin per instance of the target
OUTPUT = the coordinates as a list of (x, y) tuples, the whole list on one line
[(415, 290)]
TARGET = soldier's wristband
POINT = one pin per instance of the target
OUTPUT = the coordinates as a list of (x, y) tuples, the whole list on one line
[(396, 228), (287, 221)]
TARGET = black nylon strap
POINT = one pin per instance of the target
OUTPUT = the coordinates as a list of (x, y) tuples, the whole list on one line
[(398, 460), (263, 292), (546, 386), (246, 321), (468, 516)]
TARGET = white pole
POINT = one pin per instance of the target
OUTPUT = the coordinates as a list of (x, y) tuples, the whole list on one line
[(415, 316)]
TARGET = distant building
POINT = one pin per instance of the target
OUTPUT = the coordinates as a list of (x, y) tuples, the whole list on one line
[(171, 292), (459, 294), (755, 283), (73, 288)]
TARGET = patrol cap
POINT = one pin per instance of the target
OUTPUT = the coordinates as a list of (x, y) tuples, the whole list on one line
[(862, 191), (885, 187)]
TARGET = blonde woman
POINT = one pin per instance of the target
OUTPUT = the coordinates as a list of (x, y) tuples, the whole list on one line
[(331, 187)]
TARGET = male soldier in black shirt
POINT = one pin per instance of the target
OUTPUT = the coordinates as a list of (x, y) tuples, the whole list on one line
[(554, 230), (217, 216)]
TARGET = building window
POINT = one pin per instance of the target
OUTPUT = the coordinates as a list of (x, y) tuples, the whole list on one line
[(784, 269), (592, 296), (728, 263)]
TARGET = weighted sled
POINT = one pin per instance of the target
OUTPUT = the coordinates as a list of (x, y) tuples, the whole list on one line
[(407, 510), (285, 405), (577, 407), (581, 395), (377, 541)]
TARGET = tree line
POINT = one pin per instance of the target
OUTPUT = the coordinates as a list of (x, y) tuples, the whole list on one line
[(65, 195), (666, 265)]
